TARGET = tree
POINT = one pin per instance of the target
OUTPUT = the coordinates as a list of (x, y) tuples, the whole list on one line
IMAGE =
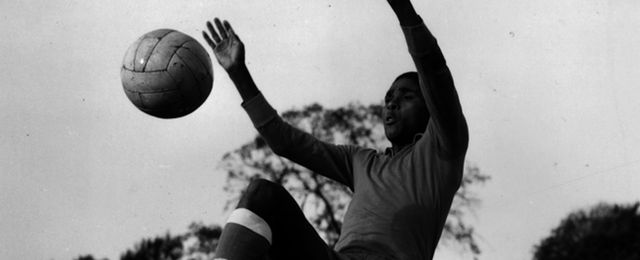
[(324, 201), (165, 247), (604, 232), (87, 257), (198, 243)]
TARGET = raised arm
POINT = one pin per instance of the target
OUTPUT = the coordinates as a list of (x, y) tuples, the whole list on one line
[(230, 53), (436, 83), (332, 161)]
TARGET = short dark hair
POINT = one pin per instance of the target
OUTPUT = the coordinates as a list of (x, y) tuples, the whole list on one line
[(410, 75)]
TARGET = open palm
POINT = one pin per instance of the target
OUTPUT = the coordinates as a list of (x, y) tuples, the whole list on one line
[(226, 45)]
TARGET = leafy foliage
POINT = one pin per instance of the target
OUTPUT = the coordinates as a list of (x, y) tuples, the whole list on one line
[(604, 232), (198, 243), (324, 201), (165, 247), (457, 229), (87, 257)]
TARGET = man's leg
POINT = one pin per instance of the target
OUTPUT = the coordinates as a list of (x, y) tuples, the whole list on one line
[(268, 221)]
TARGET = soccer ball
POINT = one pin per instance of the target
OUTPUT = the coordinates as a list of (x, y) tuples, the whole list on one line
[(166, 73)]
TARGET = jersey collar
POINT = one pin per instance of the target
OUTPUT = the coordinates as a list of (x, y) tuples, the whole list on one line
[(389, 150)]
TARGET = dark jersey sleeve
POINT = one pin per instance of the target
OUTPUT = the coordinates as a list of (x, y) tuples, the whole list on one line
[(329, 160), (446, 123)]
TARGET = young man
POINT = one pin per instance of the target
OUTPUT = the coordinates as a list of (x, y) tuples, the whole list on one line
[(401, 198)]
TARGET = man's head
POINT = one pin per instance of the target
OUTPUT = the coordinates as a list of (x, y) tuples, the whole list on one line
[(405, 112)]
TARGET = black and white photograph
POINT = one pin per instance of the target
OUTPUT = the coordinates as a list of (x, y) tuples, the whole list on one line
[(321, 130)]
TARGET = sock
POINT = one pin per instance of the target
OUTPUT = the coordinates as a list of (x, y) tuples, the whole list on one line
[(246, 236)]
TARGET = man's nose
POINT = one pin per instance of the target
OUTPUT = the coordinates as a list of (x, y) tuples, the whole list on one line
[(392, 105)]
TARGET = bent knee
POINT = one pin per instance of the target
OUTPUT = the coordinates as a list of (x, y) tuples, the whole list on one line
[(263, 197), (261, 186), (261, 190)]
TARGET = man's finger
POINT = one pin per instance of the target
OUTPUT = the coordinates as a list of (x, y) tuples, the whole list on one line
[(227, 25), (209, 41), (229, 29), (213, 32), (221, 29)]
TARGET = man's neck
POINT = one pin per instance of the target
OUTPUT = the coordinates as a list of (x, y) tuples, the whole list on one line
[(395, 148)]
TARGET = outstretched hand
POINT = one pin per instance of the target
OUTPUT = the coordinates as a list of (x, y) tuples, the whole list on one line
[(226, 45)]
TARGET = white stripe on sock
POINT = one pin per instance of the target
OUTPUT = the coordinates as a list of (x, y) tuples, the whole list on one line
[(250, 220)]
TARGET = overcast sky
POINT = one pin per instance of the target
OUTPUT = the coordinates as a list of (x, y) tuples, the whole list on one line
[(550, 89)]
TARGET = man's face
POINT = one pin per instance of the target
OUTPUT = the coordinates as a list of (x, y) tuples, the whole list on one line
[(405, 113)]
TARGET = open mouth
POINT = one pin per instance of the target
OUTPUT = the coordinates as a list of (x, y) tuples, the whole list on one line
[(390, 120)]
